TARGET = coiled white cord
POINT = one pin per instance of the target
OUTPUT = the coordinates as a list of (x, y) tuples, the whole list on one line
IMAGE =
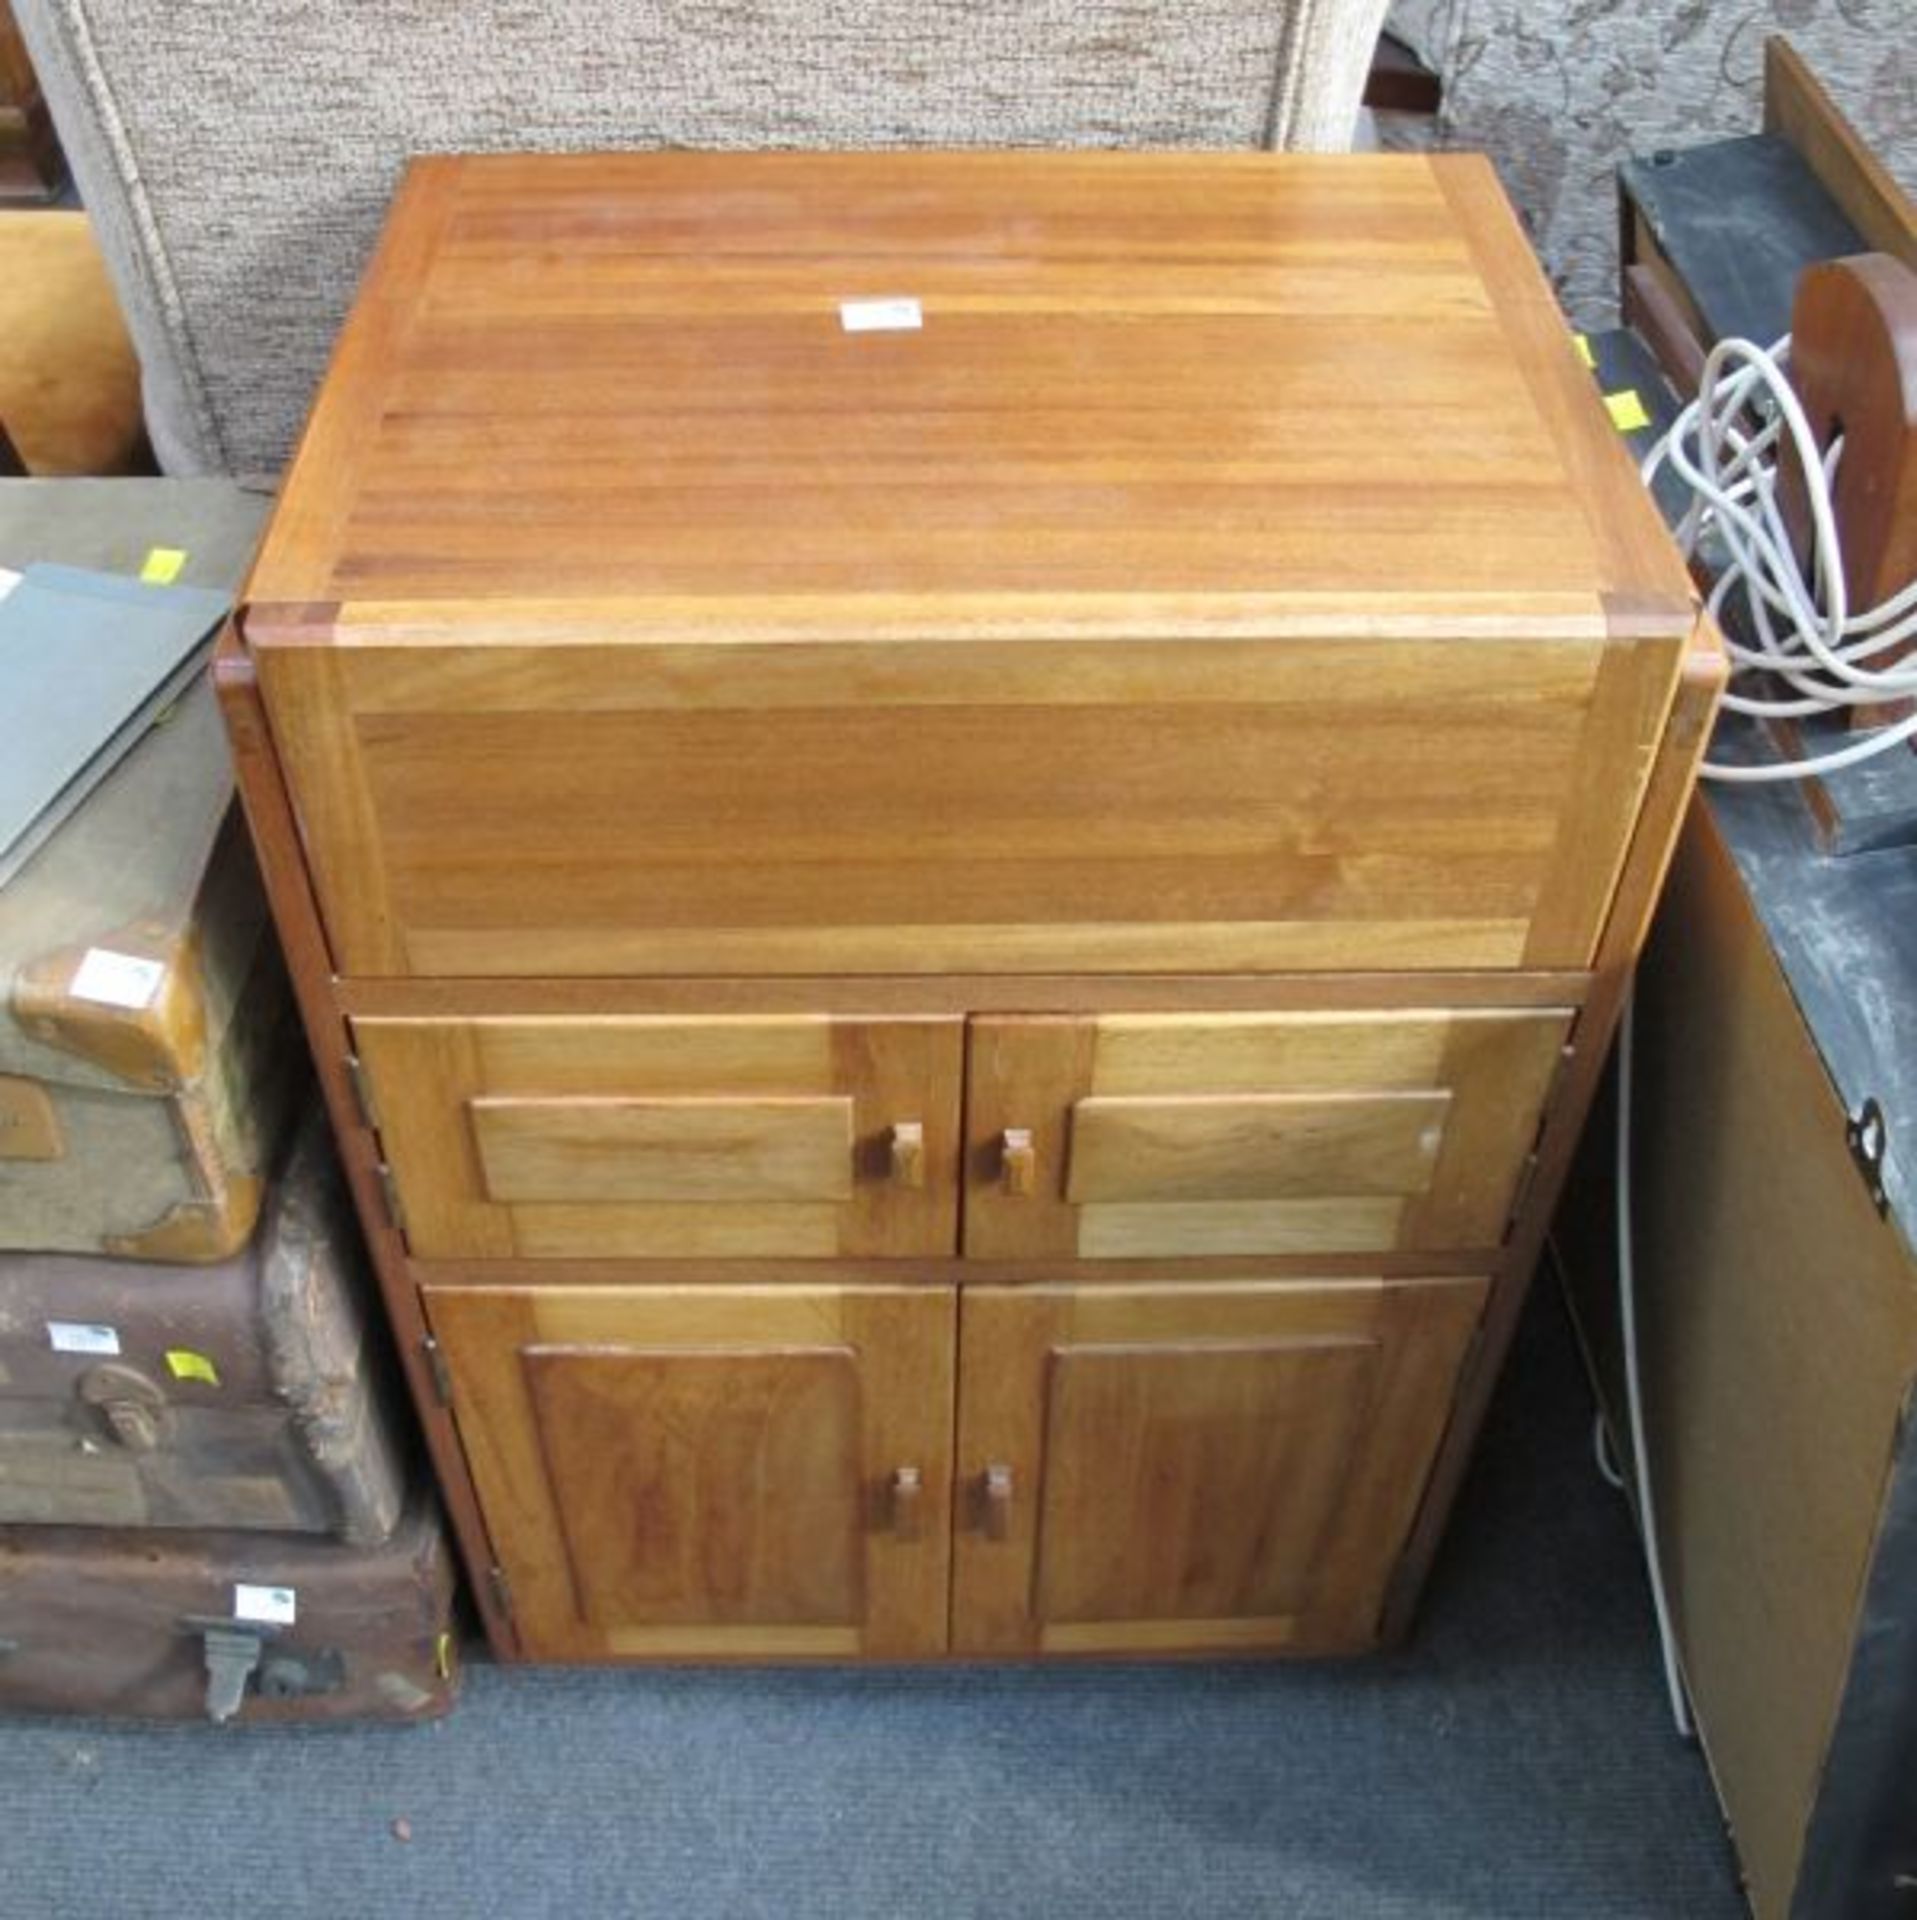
[(1724, 447)]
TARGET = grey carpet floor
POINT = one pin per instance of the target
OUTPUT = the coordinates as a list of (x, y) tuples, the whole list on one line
[(1515, 1759)]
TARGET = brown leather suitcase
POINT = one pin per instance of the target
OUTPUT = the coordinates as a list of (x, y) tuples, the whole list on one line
[(148, 1053), (253, 1394), (228, 1626)]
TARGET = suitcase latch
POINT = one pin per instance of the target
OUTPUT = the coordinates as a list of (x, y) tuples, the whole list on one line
[(132, 1408), (233, 1654)]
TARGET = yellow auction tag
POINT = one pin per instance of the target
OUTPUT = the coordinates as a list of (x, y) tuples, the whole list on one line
[(162, 566), (1626, 409), (187, 1365)]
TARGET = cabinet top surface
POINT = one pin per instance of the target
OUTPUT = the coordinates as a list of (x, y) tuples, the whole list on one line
[(1197, 392)]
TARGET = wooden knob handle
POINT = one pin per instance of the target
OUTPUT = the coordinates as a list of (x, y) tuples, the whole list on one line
[(998, 1501), (908, 1154), (908, 1494), (1017, 1162)]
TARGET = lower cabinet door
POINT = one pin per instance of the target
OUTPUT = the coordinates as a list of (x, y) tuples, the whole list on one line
[(1193, 1467), (710, 1472)]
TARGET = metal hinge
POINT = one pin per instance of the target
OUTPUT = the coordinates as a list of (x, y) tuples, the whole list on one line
[(502, 1591), (435, 1357), (1867, 1134), (362, 1092), (389, 1189)]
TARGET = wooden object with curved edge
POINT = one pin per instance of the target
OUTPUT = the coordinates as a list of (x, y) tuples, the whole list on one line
[(1854, 365)]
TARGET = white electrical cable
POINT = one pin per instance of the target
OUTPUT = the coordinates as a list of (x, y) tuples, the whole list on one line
[(1634, 1386), (1608, 1469), (1725, 448)]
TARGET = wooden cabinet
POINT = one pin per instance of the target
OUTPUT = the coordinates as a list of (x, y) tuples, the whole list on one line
[(1194, 1467), (1060, 873), (711, 1471)]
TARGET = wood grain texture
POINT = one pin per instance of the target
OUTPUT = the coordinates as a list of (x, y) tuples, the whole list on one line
[(1196, 1468), (1155, 1456), (705, 1487), (1797, 106), (296, 916), (667, 325), (1854, 368), (1251, 1145), (1686, 738), (601, 503), (680, 1471), (1635, 554), (689, 1150), (658, 1138), (1234, 1133), (1178, 804)]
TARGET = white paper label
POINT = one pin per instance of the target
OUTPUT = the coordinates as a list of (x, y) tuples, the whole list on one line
[(117, 979), (269, 1606), (880, 316), (69, 1336)]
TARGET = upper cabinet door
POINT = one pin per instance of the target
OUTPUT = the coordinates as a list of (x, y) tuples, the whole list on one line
[(604, 800), (1233, 573), (685, 1471), (1125, 1135), (786, 1135)]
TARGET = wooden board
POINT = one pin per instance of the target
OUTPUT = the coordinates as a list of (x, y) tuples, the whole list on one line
[(1230, 1133), (1797, 106), (649, 1138), (696, 1472), (698, 1149), (1778, 1329), (1176, 1468)]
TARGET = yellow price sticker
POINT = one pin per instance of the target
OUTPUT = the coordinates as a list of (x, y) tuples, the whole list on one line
[(1626, 409), (162, 565), (187, 1365), (1585, 354)]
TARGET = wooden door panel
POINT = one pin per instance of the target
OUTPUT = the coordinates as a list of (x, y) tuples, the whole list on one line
[(750, 1136), (1250, 1146), (713, 1472), (740, 1471), (1170, 1447), (1176, 1467), (719, 1150), (567, 798), (1117, 1136)]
